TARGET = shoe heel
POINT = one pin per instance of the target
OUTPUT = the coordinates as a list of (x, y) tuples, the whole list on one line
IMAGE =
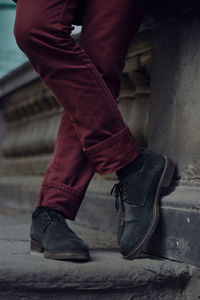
[(36, 246), (169, 172)]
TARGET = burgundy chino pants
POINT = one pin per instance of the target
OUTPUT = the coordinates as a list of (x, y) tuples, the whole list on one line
[(84, 76)]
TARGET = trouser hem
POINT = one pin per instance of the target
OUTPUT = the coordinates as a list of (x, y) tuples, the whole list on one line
[(61, 197), (114, 153)]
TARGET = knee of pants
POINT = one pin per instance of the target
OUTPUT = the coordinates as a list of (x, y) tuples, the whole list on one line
[(30, 32), (23, 30)]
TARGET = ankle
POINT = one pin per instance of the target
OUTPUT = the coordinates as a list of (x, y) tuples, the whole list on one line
[(132, 167), (47, 208)]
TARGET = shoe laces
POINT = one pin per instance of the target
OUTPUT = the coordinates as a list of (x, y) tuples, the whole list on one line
[(52, 215), (55, 216), (119, 190)]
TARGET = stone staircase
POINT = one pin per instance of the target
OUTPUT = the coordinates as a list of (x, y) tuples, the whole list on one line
[(107, 276)]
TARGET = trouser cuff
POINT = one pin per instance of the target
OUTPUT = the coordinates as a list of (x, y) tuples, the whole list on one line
[(61, 197), (114, 153)]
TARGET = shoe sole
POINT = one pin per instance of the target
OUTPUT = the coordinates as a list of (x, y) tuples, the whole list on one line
[(164, 182), (37, 248)]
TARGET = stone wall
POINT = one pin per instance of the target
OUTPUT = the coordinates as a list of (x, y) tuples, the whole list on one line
[(175, 106)]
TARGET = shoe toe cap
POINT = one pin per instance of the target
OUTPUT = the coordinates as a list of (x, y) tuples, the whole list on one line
[(132, 237)]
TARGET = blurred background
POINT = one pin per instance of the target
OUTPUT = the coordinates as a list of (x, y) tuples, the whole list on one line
[(10, 55)]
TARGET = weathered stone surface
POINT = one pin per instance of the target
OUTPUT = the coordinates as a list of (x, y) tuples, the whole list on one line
[(137, 112), (106, 276), (192, 290), (177, 236), (174, 110)]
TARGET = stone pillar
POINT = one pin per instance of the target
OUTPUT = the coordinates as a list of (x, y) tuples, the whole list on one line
[(174, 124), (174, 112)]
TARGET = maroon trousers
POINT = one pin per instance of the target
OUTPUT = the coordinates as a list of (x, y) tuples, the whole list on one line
[(84, 76)]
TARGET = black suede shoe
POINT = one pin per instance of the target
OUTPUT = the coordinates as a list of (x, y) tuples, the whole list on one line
[(137, 197), (51, 234)]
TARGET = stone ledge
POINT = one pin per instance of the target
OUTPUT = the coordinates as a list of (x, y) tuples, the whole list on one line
[(106, 277), (107, 274), (177, 235)]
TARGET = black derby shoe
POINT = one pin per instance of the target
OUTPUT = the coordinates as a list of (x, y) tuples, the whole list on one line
[(51, 234), (137, 197)]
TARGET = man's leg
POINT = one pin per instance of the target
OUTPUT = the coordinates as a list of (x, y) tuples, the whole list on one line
[(68, 173), (109, 61), (103, 142), (52, 52), (42, 30), (140, 182), (91, 123), (61, 175)]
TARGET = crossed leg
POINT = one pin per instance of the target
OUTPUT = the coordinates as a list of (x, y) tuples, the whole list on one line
[(85, 78)]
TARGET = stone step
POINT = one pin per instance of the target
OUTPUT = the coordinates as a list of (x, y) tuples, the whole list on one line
[(107, 276)]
